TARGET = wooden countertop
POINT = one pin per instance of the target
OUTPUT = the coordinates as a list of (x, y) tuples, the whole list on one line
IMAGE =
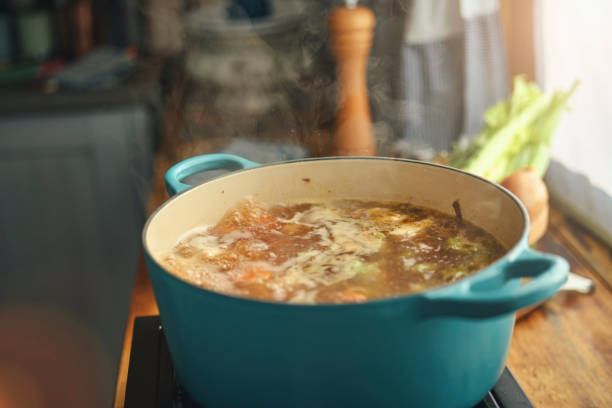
[(561, 353)]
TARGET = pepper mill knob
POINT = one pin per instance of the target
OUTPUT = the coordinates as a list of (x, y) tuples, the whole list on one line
[(351, 32)]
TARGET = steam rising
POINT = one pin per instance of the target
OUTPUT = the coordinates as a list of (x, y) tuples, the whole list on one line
[(292, 98), (295, 98)]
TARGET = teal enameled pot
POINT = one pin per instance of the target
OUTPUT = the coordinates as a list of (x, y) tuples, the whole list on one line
[(444, 347)]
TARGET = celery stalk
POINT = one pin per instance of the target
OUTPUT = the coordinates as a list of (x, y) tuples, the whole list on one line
[(502, 139), (518, 133), (540, 158)]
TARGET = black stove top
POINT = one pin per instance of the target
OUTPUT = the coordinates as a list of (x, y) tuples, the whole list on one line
[(151, 381)]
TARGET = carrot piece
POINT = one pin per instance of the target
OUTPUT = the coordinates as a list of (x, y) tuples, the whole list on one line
[(352, 296), (252, 273), (262, 217)]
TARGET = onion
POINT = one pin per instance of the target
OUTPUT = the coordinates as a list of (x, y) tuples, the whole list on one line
[(531, 190)]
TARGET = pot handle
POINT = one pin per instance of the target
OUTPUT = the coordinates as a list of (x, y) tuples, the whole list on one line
[(204, 162), (494, 295)]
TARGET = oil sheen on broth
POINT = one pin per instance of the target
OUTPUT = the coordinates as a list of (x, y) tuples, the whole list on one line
[(330, 251)]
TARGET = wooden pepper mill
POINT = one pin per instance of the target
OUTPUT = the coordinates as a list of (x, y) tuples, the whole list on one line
[(351, 32)]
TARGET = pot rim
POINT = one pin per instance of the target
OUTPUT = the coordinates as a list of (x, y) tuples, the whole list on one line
[(491, 269)]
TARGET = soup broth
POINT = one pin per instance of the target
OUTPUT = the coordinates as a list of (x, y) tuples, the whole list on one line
[(341, 251)]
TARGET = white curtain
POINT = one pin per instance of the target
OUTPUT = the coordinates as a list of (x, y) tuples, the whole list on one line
[(574, 41)]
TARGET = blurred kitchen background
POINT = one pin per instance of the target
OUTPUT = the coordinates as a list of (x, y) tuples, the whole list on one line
[(98, 98)]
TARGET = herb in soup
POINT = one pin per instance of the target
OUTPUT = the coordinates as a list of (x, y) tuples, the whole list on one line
[(342, 251)]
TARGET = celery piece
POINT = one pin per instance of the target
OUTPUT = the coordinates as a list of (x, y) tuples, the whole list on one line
[(496, 115), (454, 243), (423, 267), (540, 157), (518, 133), (501, 140), (365, 268), (452, 274), (544, 127), (498, 169), (515, 161)]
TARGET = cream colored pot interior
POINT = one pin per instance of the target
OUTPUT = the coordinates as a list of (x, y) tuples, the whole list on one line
[(482, 203)]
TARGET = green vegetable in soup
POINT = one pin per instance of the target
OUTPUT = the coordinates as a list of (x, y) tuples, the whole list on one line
[(455, 243), (424, 267), (453, 274)]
